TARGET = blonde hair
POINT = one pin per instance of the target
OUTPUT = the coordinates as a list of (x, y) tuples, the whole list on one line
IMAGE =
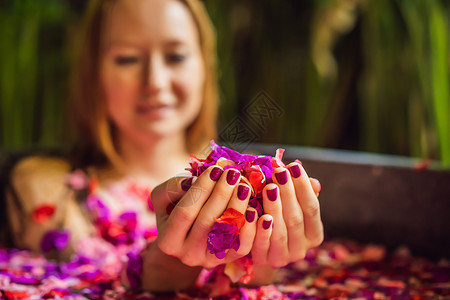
[(94, 134)]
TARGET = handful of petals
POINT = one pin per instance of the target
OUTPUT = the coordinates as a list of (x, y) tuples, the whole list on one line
[(256, 171)]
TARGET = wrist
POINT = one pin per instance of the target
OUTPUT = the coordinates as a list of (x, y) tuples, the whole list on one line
[(164, 273)]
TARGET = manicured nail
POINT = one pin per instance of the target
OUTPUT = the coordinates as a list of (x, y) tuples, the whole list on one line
[(243, 192), (295, 171), (281, 177), (186, 183), (266, 224), (272, 194), (233, 177), (250, 215), (215, 173)]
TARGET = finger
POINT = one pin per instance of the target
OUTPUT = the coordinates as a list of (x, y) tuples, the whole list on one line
[(262, 240), (246, 236), (240, 197), (279, 251), (213, 208), (315, 183), (292, 213), (239, 202), (168, 193), (183, 186), (309, 204), (187, 209)]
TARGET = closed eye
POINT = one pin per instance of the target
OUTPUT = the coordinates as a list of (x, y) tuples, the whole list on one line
[(176, 58), (126, 60)]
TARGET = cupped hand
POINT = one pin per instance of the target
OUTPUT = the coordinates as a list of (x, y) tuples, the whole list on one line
[(186, 211), (291, 224)]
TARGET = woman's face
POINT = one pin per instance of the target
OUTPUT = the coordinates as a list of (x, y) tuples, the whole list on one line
[(152, 69)]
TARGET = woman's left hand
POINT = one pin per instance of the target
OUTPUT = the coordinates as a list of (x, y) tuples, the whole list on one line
[(291, 224)]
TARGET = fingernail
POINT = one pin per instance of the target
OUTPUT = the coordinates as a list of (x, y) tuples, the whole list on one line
[(272, 194), (243, 192), (186, 184), (215, 173), (266, 224), (250, 215), (281, 177), (295, 171), (233, 176)]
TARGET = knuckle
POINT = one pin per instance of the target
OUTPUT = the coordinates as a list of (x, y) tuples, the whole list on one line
[(294, 221), (243, 251), (209, 265), (280, 239), (312, 210), (279, 263), (184, 215), (189, 260), (300, 255), (166, 248), (317, 239), (204, 225)]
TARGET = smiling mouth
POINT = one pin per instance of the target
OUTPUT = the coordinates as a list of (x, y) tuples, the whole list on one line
[(154, 112)]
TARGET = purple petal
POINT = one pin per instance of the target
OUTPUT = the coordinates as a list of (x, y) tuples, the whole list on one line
[(222, 237), (55, 240), (130, 220), (95, 205), (134, 270)]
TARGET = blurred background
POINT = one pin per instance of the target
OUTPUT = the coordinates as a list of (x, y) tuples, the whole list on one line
[(365, 75)]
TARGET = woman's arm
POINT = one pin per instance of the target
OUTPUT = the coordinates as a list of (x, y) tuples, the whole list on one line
[(35, 183), (162, 273)]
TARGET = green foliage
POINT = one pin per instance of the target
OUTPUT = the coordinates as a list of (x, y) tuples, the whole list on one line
[(383, 88), (406, 97), (34, 65)]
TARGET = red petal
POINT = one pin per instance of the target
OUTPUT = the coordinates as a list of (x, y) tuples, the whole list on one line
[(42, 213), (246, 264), (257, 180), (277, 160), (93, 184), (115, 230), (233, 217)]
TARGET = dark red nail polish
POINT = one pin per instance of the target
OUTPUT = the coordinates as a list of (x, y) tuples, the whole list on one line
[(186, 183), (170, 207), (242, 192), (233, 176), (215, 173), (295, 171), (250, 215), (266, 224), (281, 177), (272, 194)]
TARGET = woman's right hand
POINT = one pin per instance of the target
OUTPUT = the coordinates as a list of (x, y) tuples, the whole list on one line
[(184, 218)]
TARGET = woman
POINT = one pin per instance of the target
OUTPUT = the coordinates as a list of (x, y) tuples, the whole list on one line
[(145, 98)]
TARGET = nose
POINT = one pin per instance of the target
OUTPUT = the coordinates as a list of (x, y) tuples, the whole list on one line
[(156, 75)]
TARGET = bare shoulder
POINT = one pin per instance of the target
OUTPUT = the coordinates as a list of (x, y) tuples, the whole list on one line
[(40, 179)]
